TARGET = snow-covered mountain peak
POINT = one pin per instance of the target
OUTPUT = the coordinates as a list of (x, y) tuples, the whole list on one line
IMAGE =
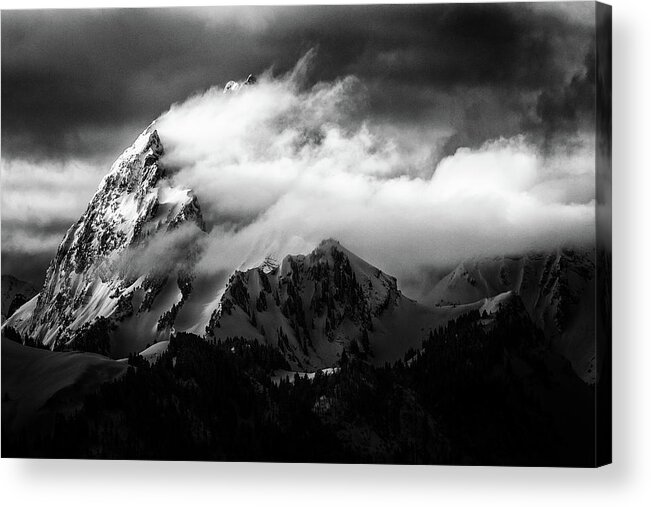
[(378, 287), (236, 86), (135, 202), (148, 142), (328, 243), (327, 250), (311, 306), (138, 165)]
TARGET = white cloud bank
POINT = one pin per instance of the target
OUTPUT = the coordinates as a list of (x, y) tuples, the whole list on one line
[(278, 167), (40, 200)]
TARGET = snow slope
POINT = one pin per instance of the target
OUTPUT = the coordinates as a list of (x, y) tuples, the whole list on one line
[(36, 382), (153, 352)]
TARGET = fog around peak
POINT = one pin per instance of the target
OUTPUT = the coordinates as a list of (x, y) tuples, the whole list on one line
[(279, 166)]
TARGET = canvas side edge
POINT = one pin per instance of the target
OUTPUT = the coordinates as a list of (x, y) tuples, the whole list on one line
[(603, 302)]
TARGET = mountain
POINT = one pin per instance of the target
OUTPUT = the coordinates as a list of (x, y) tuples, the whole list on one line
[(557, 289), (237, 86), (123, 274), (113, 289), (315, 306), (15, 293), (104, 289)]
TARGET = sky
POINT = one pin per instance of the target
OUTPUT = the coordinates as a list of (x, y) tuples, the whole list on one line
[(446, 131)]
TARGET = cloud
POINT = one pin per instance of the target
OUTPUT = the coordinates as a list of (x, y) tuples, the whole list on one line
[(45, 198), (278, 167), (38, 204), (161, 254)]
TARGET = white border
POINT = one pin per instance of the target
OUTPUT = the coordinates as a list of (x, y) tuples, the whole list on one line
[(627, 482)]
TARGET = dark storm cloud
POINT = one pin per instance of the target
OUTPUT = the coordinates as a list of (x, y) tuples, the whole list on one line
[(65, 73), (484, 70)]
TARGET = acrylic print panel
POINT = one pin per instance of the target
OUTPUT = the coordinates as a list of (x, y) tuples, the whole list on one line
[(348, 234)]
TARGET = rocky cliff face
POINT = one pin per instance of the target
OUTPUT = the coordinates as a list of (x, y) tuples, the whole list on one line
[(88, 279)]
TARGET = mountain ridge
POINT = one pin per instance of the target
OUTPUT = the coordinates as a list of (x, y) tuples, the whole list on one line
[(311, 306), (315, 306), (557, 288)]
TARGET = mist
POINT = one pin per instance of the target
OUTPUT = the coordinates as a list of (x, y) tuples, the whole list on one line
[(280, 165)]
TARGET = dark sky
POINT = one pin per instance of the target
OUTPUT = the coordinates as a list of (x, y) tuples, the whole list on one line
[(78, 86)]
